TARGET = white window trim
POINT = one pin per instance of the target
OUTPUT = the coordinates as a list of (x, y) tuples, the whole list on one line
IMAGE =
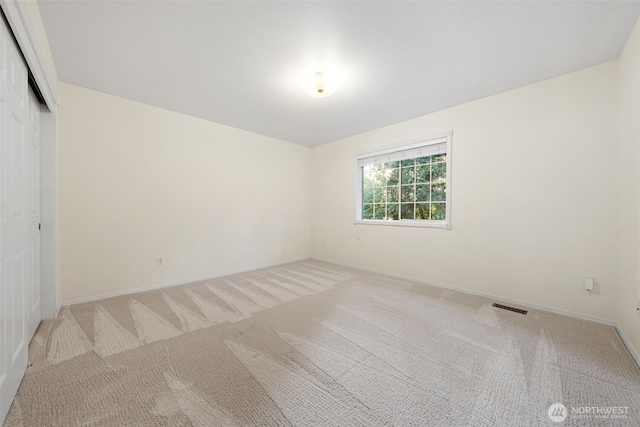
[(421, 142)]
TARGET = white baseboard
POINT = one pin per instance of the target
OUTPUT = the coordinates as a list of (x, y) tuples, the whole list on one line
[(480, 294), (169, 284), (627, 343)]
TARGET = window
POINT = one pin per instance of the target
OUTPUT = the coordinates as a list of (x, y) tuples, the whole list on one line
[(409, 184)]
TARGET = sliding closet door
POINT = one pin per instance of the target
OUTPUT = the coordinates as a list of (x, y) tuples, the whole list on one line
[(15, 261)]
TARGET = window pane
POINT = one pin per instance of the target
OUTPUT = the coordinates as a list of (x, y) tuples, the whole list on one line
[(392, 165), (368, 176), (379, 179), (367, 211), (392, 194), (438, 172), (379, 212), (438, 211), (423, 173), (422, 193), (368, 170), (367, 195), (407, 211), (392, 211), (423, 210), (438, 193), (423, 160), (408, 162), (439, 158), (408, 175), (408, 194), (379, 195), (392, 176)]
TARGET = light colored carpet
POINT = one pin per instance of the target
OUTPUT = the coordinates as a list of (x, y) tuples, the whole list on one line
[(313, 343)]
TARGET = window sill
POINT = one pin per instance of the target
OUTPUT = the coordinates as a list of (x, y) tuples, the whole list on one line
[(405, 223)]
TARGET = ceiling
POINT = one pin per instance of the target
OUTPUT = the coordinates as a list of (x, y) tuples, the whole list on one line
[(242, 63)]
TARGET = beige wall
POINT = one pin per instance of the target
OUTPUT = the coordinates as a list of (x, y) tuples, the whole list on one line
[(137, 182), (629, 188), (534, 197)]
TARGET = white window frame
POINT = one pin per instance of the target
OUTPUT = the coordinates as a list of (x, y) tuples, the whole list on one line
[(405, 146)]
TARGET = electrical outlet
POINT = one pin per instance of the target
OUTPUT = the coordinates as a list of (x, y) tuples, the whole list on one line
[(160, 261)]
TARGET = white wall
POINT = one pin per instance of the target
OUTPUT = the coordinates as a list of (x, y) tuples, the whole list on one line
[(629, 188), (534, 197), (136, 182)]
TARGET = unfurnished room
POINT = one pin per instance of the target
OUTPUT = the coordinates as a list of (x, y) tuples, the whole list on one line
[(319, 213)]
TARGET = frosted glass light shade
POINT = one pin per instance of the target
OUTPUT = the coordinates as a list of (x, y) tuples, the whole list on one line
[(320, 85)]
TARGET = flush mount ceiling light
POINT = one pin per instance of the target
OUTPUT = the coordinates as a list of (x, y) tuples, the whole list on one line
[(320, 85)]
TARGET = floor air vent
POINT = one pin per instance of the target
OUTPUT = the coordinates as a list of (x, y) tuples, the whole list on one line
[(506, 307)]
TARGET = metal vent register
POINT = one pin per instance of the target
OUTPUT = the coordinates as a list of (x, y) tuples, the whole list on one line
[(506, 307)]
